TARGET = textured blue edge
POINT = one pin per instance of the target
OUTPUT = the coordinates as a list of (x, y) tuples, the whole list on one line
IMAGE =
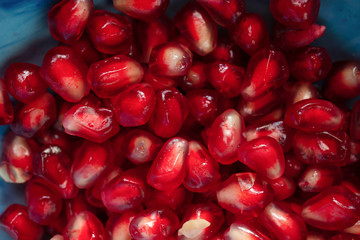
[(24, 37)]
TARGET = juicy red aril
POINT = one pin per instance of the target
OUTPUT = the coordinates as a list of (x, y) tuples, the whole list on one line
[(264, 155), (298, 91), (227, 51), (295, 14), (65, 72), (246, 194), (16, 222), (195, 78), (107, 77), (57, 138), (225, 135), (35, 117), (314, 115), (197, 27), (110, 33), (250, 33), (317, 178), (135, 105), (293, 166), (159, 83), (355, 122), (322, 148), (267, 70), (243, 230), (146, 10), (23, 82), (284, 187), (75, 206), (117, 226), (335, 208), (67, 19)]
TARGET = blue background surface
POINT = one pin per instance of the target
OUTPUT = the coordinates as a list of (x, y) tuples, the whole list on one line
[(24, 37)]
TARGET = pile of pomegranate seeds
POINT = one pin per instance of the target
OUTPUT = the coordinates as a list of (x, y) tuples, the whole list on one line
[(206, 126)]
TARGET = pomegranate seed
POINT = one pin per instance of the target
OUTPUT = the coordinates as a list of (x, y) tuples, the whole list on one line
[(354, 122), (65, 72), (169, 167), (23, 82), (135, 105), (251, 33), (195, 78), (197, 27), (147, 10), (317, 178), (275, 115), (84, 225), (224, 12), (170, 113), (170, 59), (225, 135), (110, 33), (53, 165), (355, 151), (335, 208), (282, 222), (6, 108), (76, 206), (117, 226), (300, 14), (200, 221), (264, 155), (243, 230), (17, 158), (57, 138), (314, 115), (44, 203), (343, 80), (16, 222), (284, 187), (289, 39), (35, 117), (154, 224), (267, 69), (310, 64), (246, 194), (68, 18), (354, 229), (158, 83), (226, 78), (322, 148), (202, 170), (126, 191), (91, 122), (298, 91), (107, 77), (293, 166), (226, 51)]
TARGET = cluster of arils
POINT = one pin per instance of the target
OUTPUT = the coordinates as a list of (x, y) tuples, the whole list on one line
[(162, 129)]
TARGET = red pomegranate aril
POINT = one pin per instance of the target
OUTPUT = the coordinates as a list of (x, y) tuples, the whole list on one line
[(282, 222), (17, 158), (16, 222), (68, 18), (126, 191), (169, 167), (75, 206), (117, 226), (197, 27), (91, 122), (318, 178), (335, 208), (284, 187), (314, 115), (267, 69), (57, 138), (290, 39), (226, 51), (244, 230), (343, 80), (275, 115), (146, 10), (53, 165), (109, 76), (225, 135), (170, 113), (202, 171), (354, 229), (354, 129), (322, 148), (224, 12), (250, 33), (226, 78), (65, 72), (195, 78), (245, 193), (158, 83), (298, 91), (264, 155), (44, 203), (109, 32), (295, 14), (310, 64), (35, 117), (170, 59), (293, 166), (277, 130), (84, 226), (23, 82), (200, 221), (134, 106)]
